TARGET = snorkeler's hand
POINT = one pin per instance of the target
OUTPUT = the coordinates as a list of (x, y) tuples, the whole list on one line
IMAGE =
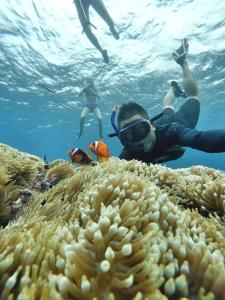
[(115, 108)]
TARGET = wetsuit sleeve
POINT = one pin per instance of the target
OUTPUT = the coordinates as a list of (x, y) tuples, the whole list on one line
[(125, 155), (209, 141)]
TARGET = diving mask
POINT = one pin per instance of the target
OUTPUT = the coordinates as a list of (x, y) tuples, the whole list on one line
[(135, 131)]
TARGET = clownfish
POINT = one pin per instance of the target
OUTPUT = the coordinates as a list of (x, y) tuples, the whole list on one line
[(101, 150), (79, 156)]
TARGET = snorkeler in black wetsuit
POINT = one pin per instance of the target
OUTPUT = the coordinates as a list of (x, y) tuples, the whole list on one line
[(163, 139), (82, 7)]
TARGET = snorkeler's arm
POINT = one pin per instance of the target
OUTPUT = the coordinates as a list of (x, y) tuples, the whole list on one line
[(211, 141)]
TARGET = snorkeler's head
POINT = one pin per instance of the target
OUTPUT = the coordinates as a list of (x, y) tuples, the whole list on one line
[(130, 110), (134, 127)]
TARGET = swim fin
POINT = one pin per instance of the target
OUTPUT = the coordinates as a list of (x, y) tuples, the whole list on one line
[(181, 53), (105, 56), (177, 90)]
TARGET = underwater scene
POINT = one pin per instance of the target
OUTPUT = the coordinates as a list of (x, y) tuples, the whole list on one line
[(42, 43), (112, 150)]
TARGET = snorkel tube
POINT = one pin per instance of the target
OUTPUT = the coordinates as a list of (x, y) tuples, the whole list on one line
[(115, 127)]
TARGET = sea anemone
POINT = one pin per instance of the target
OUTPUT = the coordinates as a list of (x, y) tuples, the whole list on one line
[(118, 231)]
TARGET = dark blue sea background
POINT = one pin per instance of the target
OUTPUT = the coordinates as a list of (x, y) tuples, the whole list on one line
[(42, 42)]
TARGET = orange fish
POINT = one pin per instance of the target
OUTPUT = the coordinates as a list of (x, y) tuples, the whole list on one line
[(101, 150), (79, 156)]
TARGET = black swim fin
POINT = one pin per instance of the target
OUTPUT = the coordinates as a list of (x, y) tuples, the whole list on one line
[(105, 56), (181, 53), (177, 90)]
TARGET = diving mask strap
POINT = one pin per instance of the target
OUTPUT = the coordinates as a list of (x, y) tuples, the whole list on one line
[(113, 122)]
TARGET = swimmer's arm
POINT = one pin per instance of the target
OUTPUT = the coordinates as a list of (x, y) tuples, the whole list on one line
[(81, 92), (95, 92)]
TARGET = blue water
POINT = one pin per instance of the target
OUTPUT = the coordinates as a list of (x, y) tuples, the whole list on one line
[(42, 42)]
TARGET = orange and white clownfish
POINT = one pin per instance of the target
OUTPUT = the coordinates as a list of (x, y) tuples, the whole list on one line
[(79, 156), (101, 150)]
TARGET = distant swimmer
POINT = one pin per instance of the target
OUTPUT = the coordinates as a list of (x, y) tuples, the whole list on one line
[(91, 94), (101, 150), (81, 157), (82, 7)]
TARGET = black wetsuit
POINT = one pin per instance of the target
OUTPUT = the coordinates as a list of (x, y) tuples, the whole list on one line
[(175, 130)]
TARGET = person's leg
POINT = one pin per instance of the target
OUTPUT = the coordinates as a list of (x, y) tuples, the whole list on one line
[(168, 101), (100, 128), (100, 8), (99, 118), (188, 113), (169, 115), (95, 42), (189, 82), (84, 113), (83, 14)]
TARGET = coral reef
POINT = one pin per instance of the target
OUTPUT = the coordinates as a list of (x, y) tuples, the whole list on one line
[(22, 176), (21, 167), (118, 230)]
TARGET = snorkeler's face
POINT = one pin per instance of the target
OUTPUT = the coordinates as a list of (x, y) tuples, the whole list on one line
[(137, 133)]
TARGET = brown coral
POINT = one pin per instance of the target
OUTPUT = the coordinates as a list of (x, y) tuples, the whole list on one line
[(59, 171), (21, 167), (8, 195), (97, 235), (4, 176)]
